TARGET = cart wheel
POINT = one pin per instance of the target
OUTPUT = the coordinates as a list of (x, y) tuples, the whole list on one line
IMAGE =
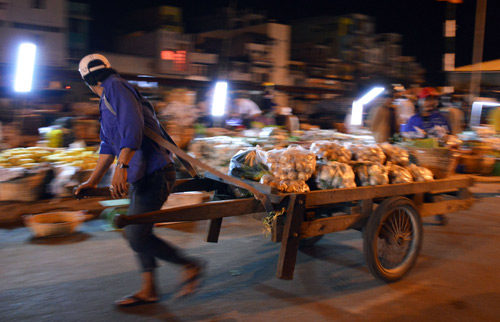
[(392, 239), (308, 242)]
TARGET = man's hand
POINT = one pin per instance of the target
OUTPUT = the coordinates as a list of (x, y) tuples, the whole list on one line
[(119, 186), (85, 185)]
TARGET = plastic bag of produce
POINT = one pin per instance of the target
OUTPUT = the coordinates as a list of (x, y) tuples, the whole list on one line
[(293, 163), (273, 159), (293, 186), (370, 173), (248, 164), (334, 175), (395, 154), (330, 151), (368, 153), (270, 180), (420, 174), (399, 174)]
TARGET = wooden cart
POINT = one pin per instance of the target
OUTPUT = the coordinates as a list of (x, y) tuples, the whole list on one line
[(388, 215)]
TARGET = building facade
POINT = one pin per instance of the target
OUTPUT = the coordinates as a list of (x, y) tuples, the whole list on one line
[(42, 22)]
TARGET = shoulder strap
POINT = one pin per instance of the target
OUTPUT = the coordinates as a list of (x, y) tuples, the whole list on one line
[(150, 133), (108, 106)]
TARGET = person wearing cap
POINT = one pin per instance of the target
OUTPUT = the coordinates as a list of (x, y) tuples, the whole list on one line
[(428, 121), (144, 172)]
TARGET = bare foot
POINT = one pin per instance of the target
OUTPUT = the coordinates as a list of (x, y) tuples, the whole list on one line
[(191, 279)]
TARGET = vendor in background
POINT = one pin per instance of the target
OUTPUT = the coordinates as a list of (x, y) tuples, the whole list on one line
[(246, 110), (453, 114), (428, 121), (268, 107), (385, 123), (405, 107)]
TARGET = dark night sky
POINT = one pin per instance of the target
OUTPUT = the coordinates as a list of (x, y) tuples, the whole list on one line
[(419, 21)]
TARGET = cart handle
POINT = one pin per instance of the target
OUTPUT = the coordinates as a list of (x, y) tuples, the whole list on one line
[(104, 192), (233, 180)]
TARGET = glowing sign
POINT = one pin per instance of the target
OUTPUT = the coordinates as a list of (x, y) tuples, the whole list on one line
[(178, 57)]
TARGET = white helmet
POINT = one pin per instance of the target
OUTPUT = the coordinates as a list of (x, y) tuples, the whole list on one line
[(91, 63)]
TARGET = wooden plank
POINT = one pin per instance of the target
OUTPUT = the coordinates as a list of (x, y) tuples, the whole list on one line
[(290, 242), (213, 230), (328, 225), (203, 211), (325, 197), (486, 179), (444, 207)]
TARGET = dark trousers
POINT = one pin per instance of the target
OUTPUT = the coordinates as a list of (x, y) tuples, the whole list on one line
[(149, 194)]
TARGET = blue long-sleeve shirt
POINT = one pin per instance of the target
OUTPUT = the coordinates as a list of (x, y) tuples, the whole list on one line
[(126, 128), (434, 119)]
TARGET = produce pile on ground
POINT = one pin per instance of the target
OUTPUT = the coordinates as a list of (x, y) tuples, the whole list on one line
[(33, 157), (68, 165)]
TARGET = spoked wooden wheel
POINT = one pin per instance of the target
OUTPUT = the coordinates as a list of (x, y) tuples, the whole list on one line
[(392, 239)]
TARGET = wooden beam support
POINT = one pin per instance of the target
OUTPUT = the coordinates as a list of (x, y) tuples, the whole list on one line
[(444, 207), (328, 225), (366, 207), (213, 230), (290, 242), (418, 199), (277, 229)]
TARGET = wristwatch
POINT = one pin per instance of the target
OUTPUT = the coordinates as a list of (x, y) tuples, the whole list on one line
[(122, 165)]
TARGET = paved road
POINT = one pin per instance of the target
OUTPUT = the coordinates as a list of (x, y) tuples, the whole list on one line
[(457, 276)]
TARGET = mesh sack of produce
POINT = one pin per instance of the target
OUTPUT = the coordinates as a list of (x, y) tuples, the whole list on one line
[(420, 174), (370, 173), (249, 164), (293, 186), (399, 174), (330, 151), (334, 175), (395, 154), (368, 153)]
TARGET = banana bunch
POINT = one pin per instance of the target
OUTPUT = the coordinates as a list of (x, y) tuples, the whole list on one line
[(31, 157)]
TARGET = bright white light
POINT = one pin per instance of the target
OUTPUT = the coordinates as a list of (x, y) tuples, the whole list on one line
[(25, 65), (219, 100), (477, 109), (371, 95), (357, 113), (487, 103), (357, 106)]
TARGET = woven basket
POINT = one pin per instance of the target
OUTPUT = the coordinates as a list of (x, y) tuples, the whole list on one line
[(55, 223), (441, 161), (29, 188)]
